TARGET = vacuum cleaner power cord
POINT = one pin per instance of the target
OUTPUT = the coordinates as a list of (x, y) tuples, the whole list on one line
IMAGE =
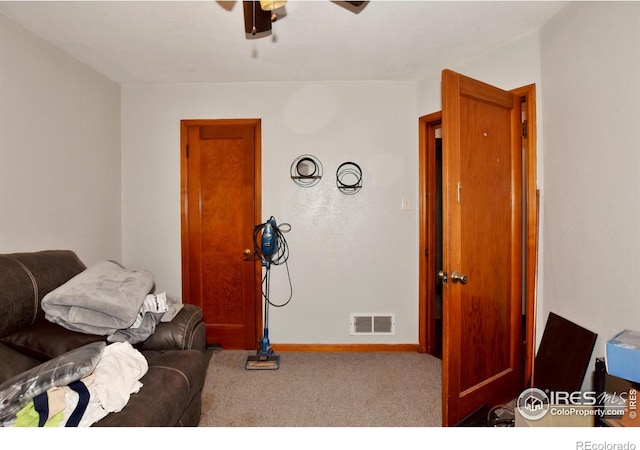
[(270, 247)]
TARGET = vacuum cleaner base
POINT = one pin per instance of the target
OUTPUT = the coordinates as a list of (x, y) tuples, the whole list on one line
[(262, 362)]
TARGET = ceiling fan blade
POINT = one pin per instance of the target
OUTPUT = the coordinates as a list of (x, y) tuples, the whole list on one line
[(354, 7), (226, 5), (254, 16)]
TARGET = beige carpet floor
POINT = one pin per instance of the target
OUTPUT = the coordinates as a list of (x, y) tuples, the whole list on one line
[(324, 390)]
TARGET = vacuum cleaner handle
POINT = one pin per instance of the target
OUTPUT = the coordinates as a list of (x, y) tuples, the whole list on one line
[(269, 242)]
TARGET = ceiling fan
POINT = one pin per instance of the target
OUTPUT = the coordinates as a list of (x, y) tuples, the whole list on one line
[(259, 15)]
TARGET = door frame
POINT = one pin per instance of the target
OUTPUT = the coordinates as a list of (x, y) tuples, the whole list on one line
[(427, 184), (184, 202), (426, 303)]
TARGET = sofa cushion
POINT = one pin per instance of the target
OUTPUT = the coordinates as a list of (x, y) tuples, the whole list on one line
[(44, 340), (26, 278), (182, 333), (174, 379), (14, 362)]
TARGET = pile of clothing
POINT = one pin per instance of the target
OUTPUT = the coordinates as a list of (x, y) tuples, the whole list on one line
[(76, 389)]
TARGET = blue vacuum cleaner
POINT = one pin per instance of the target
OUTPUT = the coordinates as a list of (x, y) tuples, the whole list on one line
[(271, 248)]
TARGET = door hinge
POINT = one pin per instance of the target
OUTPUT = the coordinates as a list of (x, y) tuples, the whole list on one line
[(525, 131)]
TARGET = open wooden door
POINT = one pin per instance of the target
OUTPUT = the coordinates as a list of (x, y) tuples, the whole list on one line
[(482, 246)]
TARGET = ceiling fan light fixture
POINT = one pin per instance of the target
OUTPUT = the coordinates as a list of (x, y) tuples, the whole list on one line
[(271, 5)]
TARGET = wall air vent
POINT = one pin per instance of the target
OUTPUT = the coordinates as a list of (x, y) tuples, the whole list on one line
[(370, 324)]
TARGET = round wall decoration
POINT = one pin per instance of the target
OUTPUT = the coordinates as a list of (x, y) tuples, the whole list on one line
[(306, 171), (349, 178)]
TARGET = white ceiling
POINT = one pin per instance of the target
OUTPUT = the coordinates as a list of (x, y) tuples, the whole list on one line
[(320, 40)]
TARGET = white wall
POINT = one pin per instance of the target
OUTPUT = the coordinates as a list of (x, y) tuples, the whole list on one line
[(512, 65), (347, 253), (59, 151), (591, 87)]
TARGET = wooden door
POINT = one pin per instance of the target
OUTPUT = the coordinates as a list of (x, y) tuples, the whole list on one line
[(220, 206), (482, 246)]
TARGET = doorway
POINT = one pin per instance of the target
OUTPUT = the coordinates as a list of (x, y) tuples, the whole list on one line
[(220, 205), (430, 324), (431, 285)]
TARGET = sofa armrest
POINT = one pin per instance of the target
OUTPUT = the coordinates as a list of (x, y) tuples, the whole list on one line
[(185, 331)]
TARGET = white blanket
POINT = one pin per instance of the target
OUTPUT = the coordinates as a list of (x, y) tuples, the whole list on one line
[(118, 374), (102, 299)]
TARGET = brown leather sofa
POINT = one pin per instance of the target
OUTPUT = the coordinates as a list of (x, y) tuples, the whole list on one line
[(172, 387)]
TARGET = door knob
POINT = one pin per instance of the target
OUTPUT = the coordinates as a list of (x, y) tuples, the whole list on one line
[(246, 253), (457, 277)]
